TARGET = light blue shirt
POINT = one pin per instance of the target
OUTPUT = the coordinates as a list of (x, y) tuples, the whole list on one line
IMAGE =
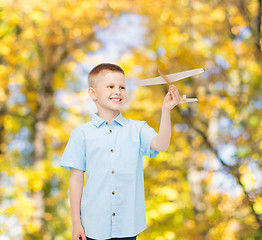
[(112, 203)]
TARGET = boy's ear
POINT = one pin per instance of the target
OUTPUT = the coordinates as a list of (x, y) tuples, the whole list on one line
[(92, 93)]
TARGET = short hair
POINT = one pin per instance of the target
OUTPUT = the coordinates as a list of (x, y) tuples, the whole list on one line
[(103, 67)]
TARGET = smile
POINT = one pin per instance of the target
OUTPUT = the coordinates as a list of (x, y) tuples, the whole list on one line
[(116, 99)]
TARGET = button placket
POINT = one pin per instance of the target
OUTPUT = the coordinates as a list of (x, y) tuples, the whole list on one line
[(112, 163)]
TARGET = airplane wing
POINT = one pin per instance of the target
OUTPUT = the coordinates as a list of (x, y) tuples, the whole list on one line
[(172, 77)]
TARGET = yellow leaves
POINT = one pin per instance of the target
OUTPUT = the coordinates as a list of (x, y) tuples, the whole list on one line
[(177, 37), (256, 156), (168, 235), (37, 16), (248, 179), (35, 180), (218, 14), (31, 96), (7, 43), (118, 5), (3, 96), (170, 193), (164, 16), (212, 198), (152, 214), (208, 104), (190, 224), (37, 175), (3, 71), (258, 205), (11, 16), (229, 107), (237, 20), (35, 183), (29, 33), (113, 4), (25, 204), (144, 96), (54, 131), (10, 124), (197, 141), (201, 6), (48, 216), (167, 208), (253, 121), (232, 9), (16, 78), (79, 55), (4, 50), (243, 169), (20, 180), (58, 82), (165, 157), (234, 76), (231, 230)]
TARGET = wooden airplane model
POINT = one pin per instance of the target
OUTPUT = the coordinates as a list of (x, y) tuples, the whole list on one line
[(169, 79)]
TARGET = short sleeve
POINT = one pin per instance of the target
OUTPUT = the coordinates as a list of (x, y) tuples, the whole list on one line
[(146, 135), (75, 153)]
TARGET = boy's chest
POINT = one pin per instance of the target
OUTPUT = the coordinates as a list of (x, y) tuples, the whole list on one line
[(113, 149)]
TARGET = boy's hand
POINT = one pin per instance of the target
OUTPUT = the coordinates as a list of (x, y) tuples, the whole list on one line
[(78, 232), (172, 98)]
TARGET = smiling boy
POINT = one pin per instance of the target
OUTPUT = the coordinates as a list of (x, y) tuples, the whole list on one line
[(110, 150)]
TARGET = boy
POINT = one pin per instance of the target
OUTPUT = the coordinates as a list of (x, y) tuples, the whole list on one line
[(110, 150)]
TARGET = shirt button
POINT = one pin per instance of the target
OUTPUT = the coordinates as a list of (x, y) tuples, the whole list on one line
[(110, 131), (113, 171), (113, 193), (106, 122), (113, 214), (112, 150)]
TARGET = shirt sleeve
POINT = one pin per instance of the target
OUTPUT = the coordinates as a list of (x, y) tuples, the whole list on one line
[(146, 135), (74, 155)]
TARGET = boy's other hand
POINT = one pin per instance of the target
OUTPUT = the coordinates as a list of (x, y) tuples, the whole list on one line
[(78, 232), (172, 98)]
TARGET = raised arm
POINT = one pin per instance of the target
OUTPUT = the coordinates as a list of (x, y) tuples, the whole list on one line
[(75, 193), (162, 140)]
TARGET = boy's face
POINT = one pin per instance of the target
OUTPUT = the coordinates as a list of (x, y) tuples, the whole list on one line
[(109, 92)]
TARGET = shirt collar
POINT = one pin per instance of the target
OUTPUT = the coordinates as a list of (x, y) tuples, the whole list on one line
[(98, 121)]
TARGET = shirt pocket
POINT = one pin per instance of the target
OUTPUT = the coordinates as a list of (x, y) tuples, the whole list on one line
[(129, 156)]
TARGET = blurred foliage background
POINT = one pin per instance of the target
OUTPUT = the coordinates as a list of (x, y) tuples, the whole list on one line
[(208, 185)]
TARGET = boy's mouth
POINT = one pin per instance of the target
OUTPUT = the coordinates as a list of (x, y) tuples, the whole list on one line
[(116, 99)]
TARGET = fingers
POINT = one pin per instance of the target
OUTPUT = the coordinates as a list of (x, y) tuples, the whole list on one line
[(174, 92), (83, 236), (175, 89)]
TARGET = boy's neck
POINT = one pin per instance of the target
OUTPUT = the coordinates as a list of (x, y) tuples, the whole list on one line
[(108, 116)]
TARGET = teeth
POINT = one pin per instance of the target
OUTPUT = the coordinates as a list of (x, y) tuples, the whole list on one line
[(115, 99)]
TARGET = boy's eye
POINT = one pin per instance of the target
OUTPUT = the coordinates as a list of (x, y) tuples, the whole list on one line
[(123, 87)]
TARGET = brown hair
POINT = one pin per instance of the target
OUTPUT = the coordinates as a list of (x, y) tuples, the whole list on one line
[(103, 67)]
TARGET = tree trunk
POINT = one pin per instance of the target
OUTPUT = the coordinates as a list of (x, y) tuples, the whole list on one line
[(45, 106)]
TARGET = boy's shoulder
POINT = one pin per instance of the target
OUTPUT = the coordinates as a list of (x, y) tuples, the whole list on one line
[(137, 123)]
